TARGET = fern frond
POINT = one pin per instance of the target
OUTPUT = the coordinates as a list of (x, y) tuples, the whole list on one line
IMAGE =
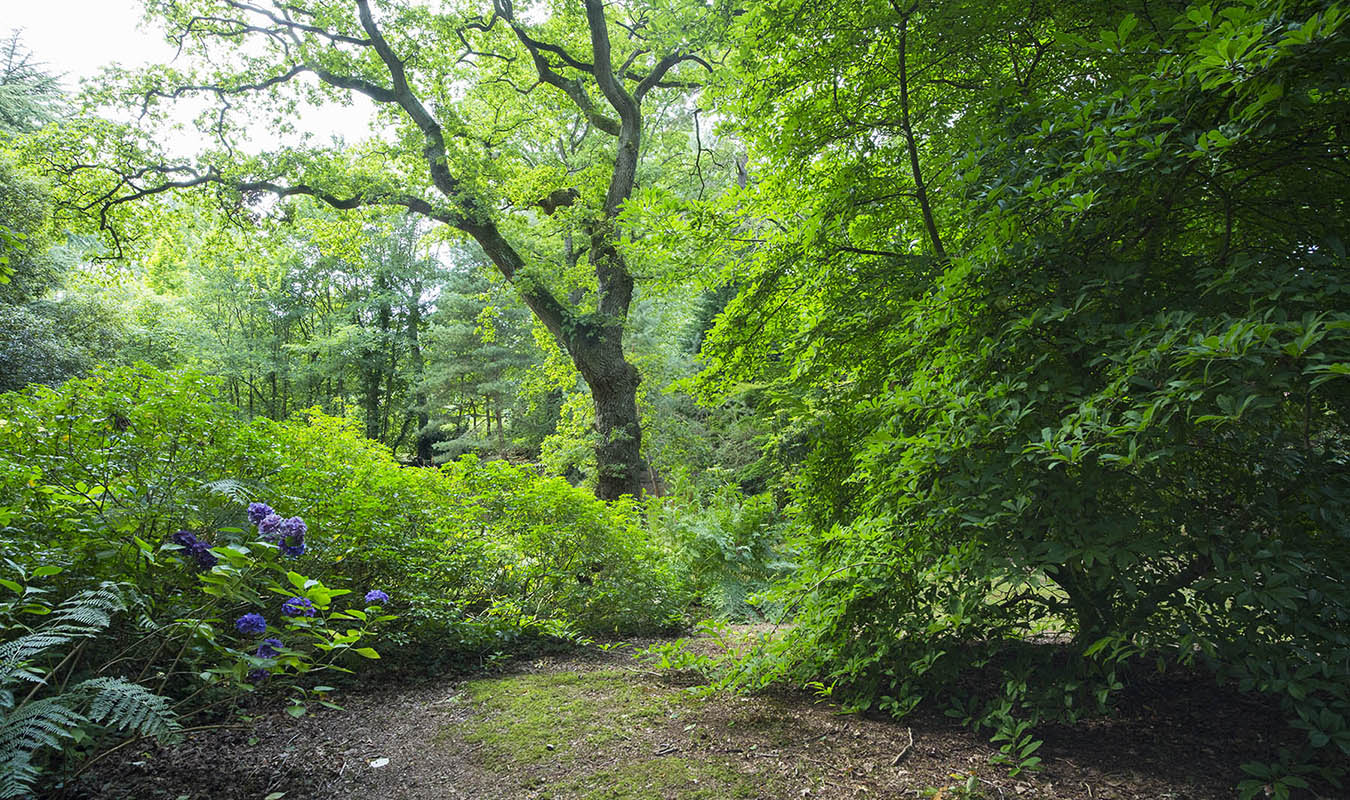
[(129, 706), (80, 616), (15, 655), (231, 489), (90, 611), (36, 724), (41, 723), (26, 729), (17, 776)]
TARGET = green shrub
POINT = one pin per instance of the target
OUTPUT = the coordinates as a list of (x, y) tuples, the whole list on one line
[(482, 555), (71, 681), (1114, 410)]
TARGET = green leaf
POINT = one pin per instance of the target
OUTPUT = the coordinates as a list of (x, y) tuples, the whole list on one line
[(368, 652)]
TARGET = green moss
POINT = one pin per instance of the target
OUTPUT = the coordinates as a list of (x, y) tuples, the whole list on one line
[(526, 715), (551, 732)]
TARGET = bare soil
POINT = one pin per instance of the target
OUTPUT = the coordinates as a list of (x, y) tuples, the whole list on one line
[(594, 725)]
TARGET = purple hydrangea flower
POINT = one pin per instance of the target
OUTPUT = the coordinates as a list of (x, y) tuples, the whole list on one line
[(257, 512), (375, 597), (184, 539), (201, 551), (269, 526), (293, 527), (292, 537), (268, 648), (257, 675), (298, 607), (251, 623)]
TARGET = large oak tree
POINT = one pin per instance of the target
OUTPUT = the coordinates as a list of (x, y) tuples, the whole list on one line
[(524, 129)]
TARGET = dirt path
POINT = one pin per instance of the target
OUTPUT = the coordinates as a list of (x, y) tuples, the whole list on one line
[(598, 726)]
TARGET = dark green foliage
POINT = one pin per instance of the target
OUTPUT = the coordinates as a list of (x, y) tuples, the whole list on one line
[(480, 348), (128, 706), (1116, 412), (39, 712)]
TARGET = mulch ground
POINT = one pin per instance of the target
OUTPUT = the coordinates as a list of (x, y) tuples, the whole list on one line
[(1183, 740)]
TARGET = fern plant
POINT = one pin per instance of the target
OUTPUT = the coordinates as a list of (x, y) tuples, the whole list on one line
[(37, 713)]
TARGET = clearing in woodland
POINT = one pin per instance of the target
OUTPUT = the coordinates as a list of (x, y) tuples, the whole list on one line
[(602, 726)]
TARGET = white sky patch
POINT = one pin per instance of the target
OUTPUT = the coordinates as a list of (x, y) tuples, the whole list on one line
[(77, 38)]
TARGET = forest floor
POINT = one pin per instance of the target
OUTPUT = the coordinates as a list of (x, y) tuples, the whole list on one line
[(601, 726)]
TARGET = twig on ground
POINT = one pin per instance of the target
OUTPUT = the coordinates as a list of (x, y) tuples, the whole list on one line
[(895, 762)]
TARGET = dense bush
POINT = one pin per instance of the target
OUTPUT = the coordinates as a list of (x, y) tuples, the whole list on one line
[(1113, 408), (138, 479), (468, 538), (136, 452)]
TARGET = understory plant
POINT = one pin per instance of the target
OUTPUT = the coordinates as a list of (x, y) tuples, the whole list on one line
[(483, 556), (73, 681), (41, 708), (729, 546)]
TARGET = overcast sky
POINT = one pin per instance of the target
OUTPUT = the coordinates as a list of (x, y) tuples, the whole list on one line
[(75, 38)]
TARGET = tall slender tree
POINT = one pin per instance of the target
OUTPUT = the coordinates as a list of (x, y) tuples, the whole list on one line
[(29, 94)]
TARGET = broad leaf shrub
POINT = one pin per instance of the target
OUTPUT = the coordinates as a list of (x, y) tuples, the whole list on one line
[(481, 555), (1109, 432), (74, 679), (241, 583)]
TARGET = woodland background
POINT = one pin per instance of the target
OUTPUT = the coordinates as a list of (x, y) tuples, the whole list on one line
[(998, 351)]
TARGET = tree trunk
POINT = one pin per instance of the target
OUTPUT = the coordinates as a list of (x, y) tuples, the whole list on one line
[(613, 383), (371, 379), (423, 454)]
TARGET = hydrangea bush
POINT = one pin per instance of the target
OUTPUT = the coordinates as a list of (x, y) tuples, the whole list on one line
[(274, 638)]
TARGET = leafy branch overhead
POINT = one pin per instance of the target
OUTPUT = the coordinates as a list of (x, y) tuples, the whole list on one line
[(450, 177)]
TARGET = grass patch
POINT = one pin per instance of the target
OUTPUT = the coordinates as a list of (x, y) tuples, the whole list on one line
[(588, 736), (532, 718)]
